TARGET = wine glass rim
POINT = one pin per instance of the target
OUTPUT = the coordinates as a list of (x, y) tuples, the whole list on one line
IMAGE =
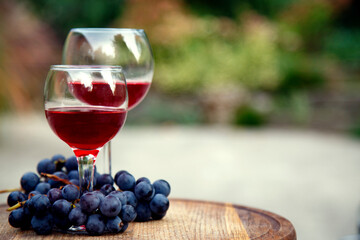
[(107, 29), (85, 67)]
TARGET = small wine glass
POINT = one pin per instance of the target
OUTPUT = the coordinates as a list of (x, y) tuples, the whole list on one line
[(85, 106), (128, 48)]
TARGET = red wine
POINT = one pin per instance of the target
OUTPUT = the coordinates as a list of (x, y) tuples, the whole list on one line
[(83, 127), (137, 92), (99, 93)]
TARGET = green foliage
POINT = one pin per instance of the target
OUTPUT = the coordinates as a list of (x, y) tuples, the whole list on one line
[(66, 14), (210, 59), (232, 8), (355, 129), (349, 17), (249, 117), (226, 8), (299, 73), (295, 106), (344, 45), (265, 7), (316, 20)]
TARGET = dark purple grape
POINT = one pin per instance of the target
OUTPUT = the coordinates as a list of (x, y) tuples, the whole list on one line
[(77, 217), (27, 214), (103, 179), (100, 195), (70, 192), (71, 164), (130, 198), (118, 174), (73, 174), (43, 187), (110, 206), (46, 166), (143, 179), (114, 225), (126, 181), (32, 201), (128, 213), (42, 205), (17, 218), (159, 204), (120, 195), (106, 189), (42, 225), (15, 197), (62, 223), (29, 181), (33, 193), (95, 224), (143, 212), (54, 194), (163, 187), (75, 182), (144, 191), (61, 208), (89, 202)]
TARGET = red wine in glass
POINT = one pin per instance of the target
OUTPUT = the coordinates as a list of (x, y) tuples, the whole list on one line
[(98, 93), (102, 94), (85, 128), (137, 92)]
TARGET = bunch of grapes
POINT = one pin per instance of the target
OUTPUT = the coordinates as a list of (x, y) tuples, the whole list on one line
[(54, 200)]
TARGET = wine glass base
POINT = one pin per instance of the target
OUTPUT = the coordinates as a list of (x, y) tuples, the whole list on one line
[(77, 230)]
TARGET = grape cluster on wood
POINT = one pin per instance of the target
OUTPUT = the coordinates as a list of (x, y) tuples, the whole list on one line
[(47, 202)]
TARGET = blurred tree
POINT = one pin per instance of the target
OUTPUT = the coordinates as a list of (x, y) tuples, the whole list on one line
[(249, 117), (285, 49), (28, 47), (66, 14), (299, 74), (347, 14), (233, 8), (343, 44)]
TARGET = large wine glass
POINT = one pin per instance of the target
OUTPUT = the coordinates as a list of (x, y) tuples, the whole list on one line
[(85, 106), (128, 48)]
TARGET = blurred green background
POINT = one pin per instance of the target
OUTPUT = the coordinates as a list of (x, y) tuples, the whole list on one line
[(245, 63)]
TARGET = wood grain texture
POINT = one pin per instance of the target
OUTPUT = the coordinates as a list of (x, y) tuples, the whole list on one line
[(186, 219)]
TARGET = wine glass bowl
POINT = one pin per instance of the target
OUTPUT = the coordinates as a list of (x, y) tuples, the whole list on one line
[(85, 106), (128, 48)]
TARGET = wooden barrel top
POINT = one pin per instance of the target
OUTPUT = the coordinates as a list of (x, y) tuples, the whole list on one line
[(186, 219)]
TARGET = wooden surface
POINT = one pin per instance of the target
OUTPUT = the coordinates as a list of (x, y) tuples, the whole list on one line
[(186, 219)]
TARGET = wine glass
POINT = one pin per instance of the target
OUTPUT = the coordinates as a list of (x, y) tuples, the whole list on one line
[(128, 48), (85, 106)]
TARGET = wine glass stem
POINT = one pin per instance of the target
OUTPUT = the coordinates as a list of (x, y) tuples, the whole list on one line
[(107, 158), (86, 166)]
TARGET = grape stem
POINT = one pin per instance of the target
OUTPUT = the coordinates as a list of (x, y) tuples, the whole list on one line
[(56, 178), (19, 204), (10, 190)]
